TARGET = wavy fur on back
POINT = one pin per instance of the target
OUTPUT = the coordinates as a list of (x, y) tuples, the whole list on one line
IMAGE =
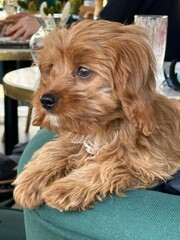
[(115, 132)]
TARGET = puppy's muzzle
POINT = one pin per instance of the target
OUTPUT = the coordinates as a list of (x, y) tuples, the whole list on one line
[(48, 101)]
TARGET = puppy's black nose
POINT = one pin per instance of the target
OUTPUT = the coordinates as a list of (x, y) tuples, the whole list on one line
[(48, 101)]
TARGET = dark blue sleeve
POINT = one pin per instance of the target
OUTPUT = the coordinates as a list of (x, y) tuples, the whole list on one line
[(124, 10), (121, 10)]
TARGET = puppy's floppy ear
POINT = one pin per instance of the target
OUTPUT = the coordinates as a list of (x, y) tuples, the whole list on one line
[(134, 78)]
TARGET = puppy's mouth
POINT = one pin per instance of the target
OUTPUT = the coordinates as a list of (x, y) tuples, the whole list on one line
[(77, 112)]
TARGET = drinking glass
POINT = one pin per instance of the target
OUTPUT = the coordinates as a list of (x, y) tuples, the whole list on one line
[(156, 26)]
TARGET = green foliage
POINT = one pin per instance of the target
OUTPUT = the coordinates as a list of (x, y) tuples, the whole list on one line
[(32, 6), (53, 9), (46, 11), (23, 5), (58, 6), (75, 5)]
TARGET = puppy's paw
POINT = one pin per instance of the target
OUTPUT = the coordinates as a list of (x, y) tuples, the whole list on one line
[(27, 193), (67, 197)]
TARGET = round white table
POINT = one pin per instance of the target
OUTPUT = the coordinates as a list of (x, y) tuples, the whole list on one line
[(23, 79), (18, 85)]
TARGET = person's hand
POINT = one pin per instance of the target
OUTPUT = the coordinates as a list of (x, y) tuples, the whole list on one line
[(25, 26)]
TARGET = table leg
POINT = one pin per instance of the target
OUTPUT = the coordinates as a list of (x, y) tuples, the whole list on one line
[(11, 124), (11, 115)]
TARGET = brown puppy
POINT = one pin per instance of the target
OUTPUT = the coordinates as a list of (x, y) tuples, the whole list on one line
[(116, 133)]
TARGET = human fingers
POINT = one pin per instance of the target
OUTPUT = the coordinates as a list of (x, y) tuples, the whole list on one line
[(10, 30), (25, 36), (17, 16), (17, 34), (15, 27)]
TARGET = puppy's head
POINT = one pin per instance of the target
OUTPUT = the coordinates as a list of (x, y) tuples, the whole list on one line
[(94, 74)]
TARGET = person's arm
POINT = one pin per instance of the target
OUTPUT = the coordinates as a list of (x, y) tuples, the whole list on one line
[(26, 25), (120, 10), (123, 11), (142, 214)]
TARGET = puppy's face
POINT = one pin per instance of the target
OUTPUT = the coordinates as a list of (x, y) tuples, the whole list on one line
[(94, 74)]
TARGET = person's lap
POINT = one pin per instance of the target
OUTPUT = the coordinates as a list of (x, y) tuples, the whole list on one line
[(142, 214)]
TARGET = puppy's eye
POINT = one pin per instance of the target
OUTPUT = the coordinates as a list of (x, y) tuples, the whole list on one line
[(83, 72)]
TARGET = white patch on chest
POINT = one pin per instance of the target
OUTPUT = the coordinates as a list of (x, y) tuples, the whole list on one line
[(92, 145), (53, 120)]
